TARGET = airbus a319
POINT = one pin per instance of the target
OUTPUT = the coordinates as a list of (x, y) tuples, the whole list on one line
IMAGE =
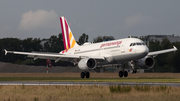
[(90, 55)]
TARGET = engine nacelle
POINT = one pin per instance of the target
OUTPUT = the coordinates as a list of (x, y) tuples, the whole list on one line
[(87, 63), (145, 63)]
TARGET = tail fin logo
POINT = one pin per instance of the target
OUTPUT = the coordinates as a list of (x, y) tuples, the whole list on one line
[(68, 38)]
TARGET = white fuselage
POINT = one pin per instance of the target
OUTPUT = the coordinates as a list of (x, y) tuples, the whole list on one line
[(116, 51)]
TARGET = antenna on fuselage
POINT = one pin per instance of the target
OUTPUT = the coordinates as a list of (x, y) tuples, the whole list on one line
[(130, 36)]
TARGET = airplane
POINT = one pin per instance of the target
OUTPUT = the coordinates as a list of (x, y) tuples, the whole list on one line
[(90, 55)]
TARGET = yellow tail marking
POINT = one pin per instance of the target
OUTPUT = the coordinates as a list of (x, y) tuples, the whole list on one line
[(70, 36), (73, 43)]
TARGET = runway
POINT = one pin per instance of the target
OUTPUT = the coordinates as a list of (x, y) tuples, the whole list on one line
[(83, 83)]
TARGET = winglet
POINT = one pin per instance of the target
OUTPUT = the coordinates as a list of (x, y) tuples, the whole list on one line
[(175, 48), (5, 51)]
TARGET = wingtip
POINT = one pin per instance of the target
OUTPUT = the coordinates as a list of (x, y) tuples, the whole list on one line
[(175, 48), (5, 51)]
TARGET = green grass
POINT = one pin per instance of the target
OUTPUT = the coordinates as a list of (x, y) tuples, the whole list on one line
[(78, 79)]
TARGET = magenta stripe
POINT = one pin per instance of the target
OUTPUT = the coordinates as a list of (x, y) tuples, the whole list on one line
[(63, 32), (67, 33)]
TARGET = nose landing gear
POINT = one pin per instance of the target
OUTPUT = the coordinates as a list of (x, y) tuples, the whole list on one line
[(134, 71)]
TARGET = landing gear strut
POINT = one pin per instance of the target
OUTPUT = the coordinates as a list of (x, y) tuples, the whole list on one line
[(123, 73), (134, 71), (83, 74)]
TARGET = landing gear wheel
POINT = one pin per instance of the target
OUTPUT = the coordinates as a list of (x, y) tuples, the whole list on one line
[(120, 74), (125, 73), (87, 74), (82, 75)]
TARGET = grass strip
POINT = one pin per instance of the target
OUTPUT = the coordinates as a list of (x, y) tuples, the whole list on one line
[(77, 79)]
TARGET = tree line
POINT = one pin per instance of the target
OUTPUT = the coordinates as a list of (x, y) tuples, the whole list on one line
[(168, 62)]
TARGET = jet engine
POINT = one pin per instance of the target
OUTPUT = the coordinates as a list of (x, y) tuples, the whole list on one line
[(87, 63), (145, 63)]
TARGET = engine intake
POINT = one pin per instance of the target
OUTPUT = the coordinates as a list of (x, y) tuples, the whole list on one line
[(145, 63), (87, 63)]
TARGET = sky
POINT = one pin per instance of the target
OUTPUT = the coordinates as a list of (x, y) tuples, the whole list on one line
[(119, 18)]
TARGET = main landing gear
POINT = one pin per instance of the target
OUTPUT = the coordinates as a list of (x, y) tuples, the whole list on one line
[(123, 73), (83, 74)]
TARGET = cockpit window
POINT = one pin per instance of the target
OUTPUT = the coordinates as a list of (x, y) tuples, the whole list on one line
[(138, 43), (143, 43), (134, 44)]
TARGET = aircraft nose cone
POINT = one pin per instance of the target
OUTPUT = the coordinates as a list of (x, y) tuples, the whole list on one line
[(141, 51), (145, 50)]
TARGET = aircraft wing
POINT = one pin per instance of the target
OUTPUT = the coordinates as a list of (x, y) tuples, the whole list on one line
[(52, 56), (162, 51)]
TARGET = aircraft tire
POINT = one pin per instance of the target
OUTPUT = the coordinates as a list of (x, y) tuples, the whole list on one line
[(87, 74), (121, 74), (82, 75), (125, 74)]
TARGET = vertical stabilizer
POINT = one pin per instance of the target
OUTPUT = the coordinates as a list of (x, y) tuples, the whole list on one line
[(68, 38)]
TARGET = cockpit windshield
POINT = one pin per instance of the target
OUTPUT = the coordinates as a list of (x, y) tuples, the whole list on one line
[(137, 44)]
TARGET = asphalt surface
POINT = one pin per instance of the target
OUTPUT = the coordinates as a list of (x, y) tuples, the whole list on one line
[(84, 83)]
